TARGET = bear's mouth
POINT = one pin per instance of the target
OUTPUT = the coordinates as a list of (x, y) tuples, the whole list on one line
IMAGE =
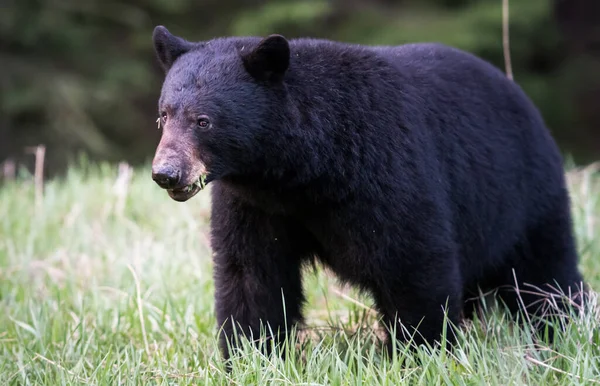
[(189, 191)]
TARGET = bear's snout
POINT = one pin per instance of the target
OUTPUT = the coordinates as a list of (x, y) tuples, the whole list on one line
[(166, 176)]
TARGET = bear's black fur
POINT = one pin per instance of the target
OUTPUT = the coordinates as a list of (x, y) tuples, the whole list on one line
[(419, 173)]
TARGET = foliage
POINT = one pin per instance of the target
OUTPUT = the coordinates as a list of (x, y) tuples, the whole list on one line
[(81, 74)]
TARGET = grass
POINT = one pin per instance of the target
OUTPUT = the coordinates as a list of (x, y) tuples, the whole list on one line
[(99, 287)]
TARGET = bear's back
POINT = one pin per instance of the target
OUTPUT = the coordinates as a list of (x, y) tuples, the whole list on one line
[(473, 132), (499, 161)]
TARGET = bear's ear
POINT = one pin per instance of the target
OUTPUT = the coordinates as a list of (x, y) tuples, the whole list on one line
[(269, 60), (168, 47)]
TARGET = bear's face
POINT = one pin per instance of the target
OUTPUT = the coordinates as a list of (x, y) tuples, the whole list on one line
[(219, 101)]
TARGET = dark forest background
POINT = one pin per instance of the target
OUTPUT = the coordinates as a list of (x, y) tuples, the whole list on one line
[(80, 76)]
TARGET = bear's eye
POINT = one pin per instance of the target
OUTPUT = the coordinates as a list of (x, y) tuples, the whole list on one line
[(203, 122), (163, 116)]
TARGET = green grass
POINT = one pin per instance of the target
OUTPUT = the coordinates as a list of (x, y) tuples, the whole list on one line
[(99, 290)]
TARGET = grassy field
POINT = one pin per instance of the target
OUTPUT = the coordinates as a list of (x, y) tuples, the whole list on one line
[(109, 284)]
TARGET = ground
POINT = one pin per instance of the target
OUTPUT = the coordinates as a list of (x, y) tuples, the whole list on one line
[(105, 284)]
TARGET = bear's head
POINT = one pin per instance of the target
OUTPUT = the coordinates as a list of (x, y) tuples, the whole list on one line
[(221, 100)]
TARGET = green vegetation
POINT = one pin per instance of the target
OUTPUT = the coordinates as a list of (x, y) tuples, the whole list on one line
[(106, 283), (81, 74)]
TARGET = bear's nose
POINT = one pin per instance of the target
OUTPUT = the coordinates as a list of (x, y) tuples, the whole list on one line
[(166, 176)]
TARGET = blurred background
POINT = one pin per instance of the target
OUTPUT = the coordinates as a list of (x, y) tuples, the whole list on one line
[(80, 76)]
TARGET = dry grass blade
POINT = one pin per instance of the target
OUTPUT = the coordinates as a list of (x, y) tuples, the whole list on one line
[(540, 363)]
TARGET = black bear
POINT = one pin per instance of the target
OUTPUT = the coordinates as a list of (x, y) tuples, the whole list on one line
[(419, 173)]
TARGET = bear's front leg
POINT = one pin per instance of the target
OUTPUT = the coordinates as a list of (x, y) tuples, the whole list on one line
[(257, 270)]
